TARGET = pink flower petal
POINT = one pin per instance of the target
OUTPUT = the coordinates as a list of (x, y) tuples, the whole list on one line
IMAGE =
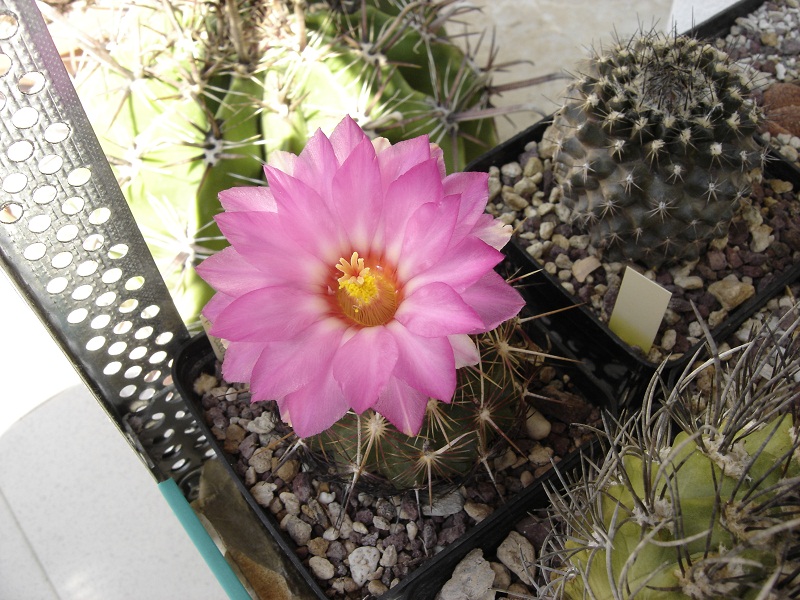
[(437, 310), (282, 160), (363, 365), (315, 407), (345, 137), (492, 231), (268, 314), (247, 198), (426, 364), (358, 196), (460, 267), (228, 272), (403, 406), (288, 365), (307, 217), (216, 305), (266, 240), (318, 165), (473, 188), (494, 300), (398, 159), (240, 360), (417, 186), (424, 245), (465, 351)]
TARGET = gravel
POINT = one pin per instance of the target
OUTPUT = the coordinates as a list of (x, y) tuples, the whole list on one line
[(360, 545), (764, 240)]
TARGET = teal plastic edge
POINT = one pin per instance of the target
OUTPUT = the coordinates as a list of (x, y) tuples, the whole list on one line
[(202, 541)]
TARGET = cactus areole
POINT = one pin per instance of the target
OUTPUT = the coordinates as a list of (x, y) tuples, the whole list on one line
[(655, 147)]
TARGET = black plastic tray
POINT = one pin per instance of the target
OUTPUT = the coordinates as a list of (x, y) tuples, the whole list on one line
[(425, 582), (620, 370)]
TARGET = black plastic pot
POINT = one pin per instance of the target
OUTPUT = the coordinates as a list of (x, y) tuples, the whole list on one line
[(621, 371), (423, 583)]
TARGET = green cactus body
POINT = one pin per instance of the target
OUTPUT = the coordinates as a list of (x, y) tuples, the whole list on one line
[(712, 512), (643, 554), (456, 438), (189, 98), (655, 147)]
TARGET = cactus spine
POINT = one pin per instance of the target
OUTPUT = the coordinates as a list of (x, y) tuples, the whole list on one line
[(190, 97), (712, 512), (655, 147)]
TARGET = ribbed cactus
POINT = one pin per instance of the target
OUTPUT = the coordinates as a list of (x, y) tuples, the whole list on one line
[(712, 512), (188, 98), (655, 147), (456, 438)]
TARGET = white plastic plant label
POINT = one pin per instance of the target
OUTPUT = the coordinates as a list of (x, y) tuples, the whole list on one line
[(639, 310)]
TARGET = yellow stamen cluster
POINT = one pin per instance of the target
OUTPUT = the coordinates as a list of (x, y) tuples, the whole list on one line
[(366, 297)]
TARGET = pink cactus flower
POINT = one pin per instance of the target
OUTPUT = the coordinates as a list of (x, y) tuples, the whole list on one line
[(354, 279)]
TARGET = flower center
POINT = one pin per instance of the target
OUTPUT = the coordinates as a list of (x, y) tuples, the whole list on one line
[(366, 295)]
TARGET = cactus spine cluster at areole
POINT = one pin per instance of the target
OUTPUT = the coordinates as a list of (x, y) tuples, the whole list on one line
[(655, 147)]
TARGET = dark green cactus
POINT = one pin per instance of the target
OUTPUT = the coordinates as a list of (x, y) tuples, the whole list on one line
[(655, 147), (189, 98)]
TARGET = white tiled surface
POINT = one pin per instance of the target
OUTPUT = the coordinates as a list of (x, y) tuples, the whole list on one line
[(80, 516)]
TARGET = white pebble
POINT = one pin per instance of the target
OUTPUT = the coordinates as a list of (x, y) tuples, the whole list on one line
[(322, 567), (326, 497), (537, 425), (363, 564)]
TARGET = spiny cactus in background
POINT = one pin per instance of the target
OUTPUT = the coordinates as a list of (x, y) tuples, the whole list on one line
[(712, 512), (655, 147), (456, 438), (188, 98)]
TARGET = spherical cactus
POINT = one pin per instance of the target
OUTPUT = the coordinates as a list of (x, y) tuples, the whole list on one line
[(655, 147), (456, 438), (712, 512), (189, 98)]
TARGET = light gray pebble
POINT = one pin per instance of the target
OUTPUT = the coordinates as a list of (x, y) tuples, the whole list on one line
[(298, 530), (511, 172), (380, 523), (321, 567), (291, 503), (517, 553), (364, 563), (389, 556), (515, 201), (668, 339), (326, 497), (525, 187), (263, 492), (472, 579), (444, 506), (377, 588), (534, 166), (495, 187), (562, 261)]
